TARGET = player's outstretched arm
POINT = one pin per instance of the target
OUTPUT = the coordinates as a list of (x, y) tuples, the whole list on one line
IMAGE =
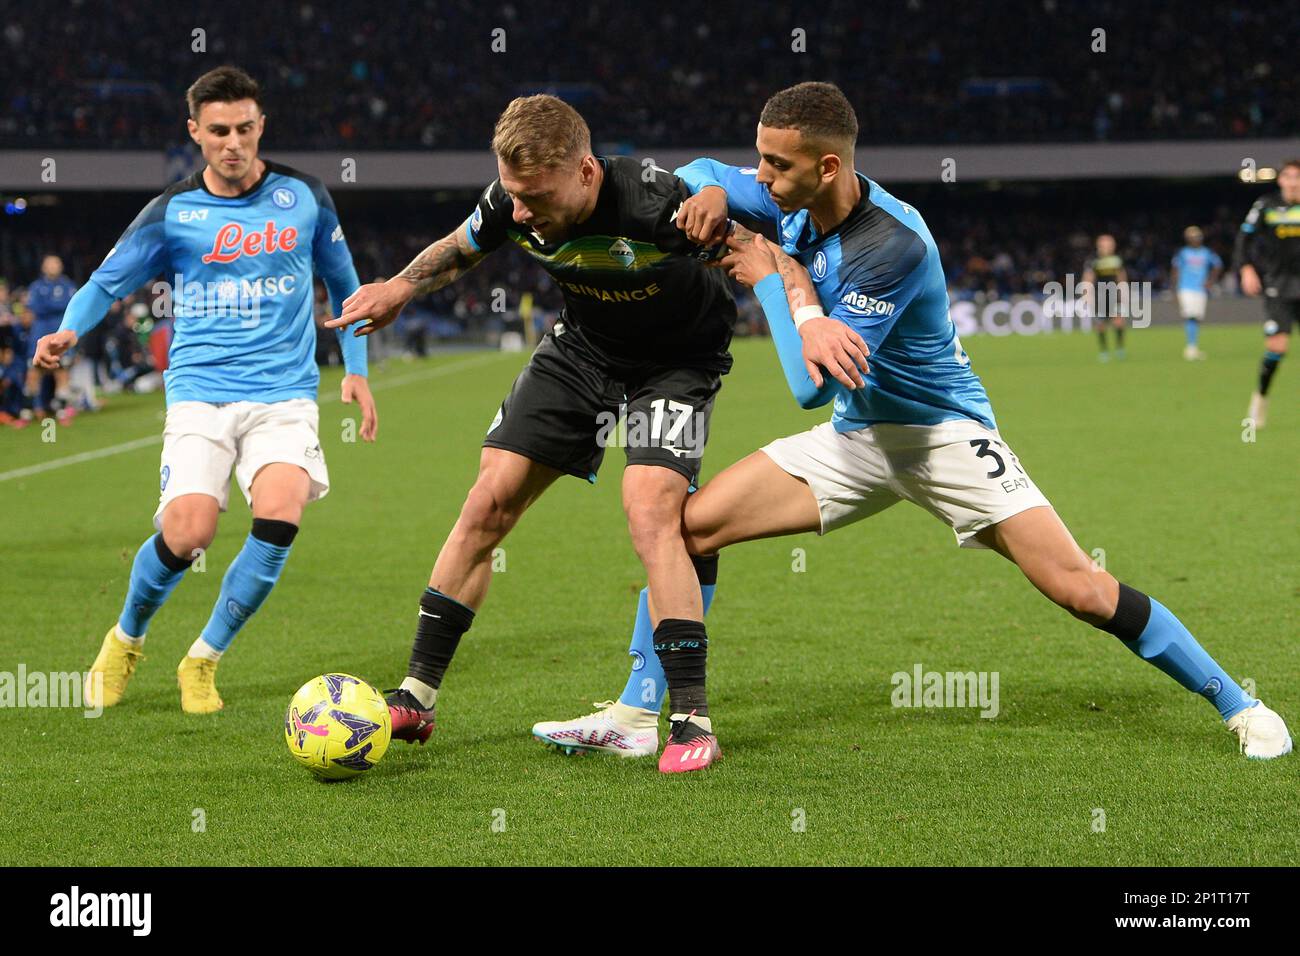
[(377, 304), (86, 309), (738, 187)]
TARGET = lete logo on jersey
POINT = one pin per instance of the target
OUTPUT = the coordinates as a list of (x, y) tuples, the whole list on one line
[(232, 242)]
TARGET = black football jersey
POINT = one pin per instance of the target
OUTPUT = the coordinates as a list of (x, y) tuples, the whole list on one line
[(636, 290), (1269, 240), (1105, 268)]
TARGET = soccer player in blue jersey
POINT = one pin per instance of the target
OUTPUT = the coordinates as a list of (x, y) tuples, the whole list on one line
[(920, 428), (1195, 269), (48, 298), (239, 241)]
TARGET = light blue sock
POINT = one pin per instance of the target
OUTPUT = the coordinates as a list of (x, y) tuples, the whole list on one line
[(152, 582), (646, 684), (1193, 328), (248, 581), (1167, 644)]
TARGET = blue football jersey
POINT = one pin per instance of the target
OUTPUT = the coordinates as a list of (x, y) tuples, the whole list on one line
[(48, 298), (240, 269), (878, 271), (1194, 264)]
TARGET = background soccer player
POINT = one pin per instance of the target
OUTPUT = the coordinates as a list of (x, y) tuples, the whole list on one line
[(1106, 282), (48, 298), (1195, 269), (646, 325), (1267, 254), (922, 429), (239, 239)]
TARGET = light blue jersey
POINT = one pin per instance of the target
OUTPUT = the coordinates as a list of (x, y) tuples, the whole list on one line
[(878, 271), (240, 269), (1194, 264)]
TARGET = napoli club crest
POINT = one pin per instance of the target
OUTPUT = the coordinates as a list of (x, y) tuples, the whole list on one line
[(819, 265), (284, 197), (163, 476)]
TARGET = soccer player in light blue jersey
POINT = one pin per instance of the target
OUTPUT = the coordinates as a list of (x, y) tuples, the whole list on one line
[(1196, 268), (918, 426), (239, 242)]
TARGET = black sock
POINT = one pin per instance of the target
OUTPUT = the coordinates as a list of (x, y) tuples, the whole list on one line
[(706, 569), (683, 649), (273, 531), (1101, 337), (1266, 370), (170, 561), (442, 622), (1119, 336), (1132, 611)]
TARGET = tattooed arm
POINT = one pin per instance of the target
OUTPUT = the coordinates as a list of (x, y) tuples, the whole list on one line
[(799, 290), (827, 343), (377, 304), (441, 264)]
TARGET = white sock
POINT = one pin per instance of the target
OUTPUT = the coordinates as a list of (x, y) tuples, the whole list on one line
[(425, 694), (637, 716), (696, 719), (201, 648), (125, 638)]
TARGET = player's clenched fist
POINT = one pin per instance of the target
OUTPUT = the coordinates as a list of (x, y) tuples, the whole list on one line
[(703, 217), (50, 348), (375, 304)]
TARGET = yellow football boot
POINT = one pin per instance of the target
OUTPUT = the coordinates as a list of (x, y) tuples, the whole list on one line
[(197, 678), (108, 677)]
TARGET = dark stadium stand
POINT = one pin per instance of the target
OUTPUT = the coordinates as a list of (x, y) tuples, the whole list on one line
[(420, 75)]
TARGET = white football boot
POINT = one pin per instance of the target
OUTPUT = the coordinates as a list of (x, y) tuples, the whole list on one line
[(1262, 733), (615, 728)]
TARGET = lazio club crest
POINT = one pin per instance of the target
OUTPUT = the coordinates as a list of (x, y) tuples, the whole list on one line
[(623, 253)]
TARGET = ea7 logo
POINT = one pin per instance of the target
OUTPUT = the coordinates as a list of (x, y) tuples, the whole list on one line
[(866, 304), (192, 215), (103, 909)]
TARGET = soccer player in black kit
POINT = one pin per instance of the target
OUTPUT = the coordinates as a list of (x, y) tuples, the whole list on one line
[(1105, 279), (646, 325), (1267, 254)]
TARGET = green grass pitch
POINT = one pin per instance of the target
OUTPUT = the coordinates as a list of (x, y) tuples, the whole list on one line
[(1144, 459)]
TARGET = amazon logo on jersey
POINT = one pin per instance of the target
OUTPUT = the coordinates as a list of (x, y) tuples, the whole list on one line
[(232, 242), (866, 304)]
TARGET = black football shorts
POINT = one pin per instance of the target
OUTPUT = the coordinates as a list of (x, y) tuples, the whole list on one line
[(566, 407)]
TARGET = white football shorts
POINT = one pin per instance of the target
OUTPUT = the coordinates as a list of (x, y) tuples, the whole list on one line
[(203, 441), (1192, 303), (960, 471)]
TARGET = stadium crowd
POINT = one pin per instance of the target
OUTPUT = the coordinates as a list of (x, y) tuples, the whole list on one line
[(1167, 70)]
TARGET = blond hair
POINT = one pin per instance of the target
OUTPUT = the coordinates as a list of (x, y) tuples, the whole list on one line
[(540, 132)]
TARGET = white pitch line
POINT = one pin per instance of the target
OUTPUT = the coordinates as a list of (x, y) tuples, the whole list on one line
[(138, 443)]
